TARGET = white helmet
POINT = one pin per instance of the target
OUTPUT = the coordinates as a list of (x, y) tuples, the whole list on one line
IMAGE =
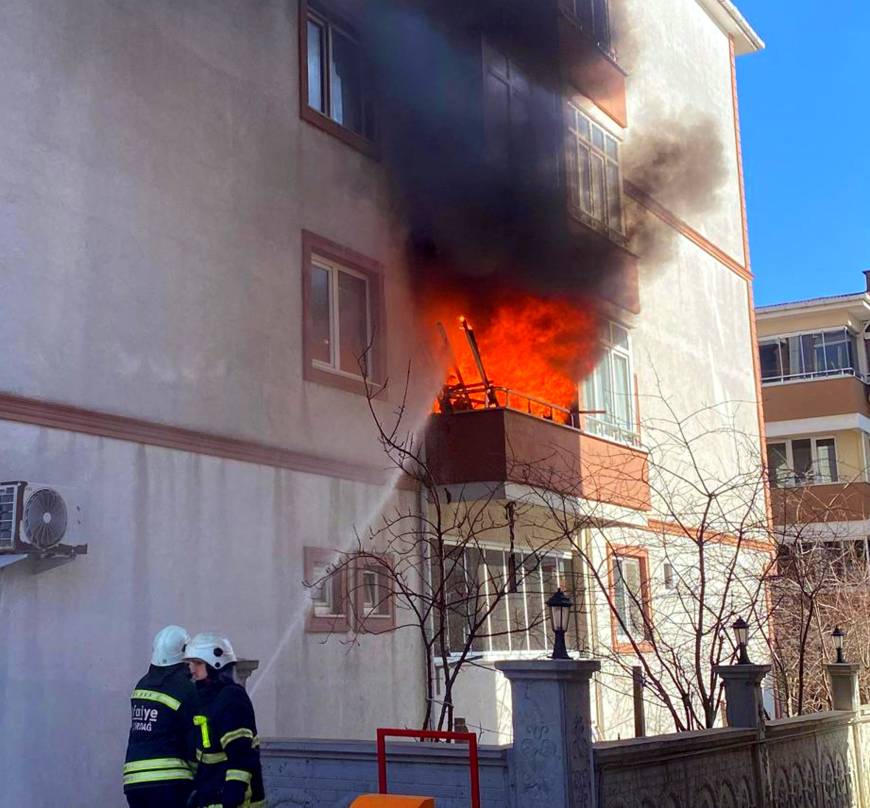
[(212, 648), (168, 646)]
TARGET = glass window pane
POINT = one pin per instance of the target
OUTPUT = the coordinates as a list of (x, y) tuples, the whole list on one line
[(611, 147), (619, 336), (777, 464), (614, 197), (837, 350), (321, 339), (602, 23), (535, 598), (352, 321), (584, 172), (803, 460), (599, 194), (826, 463), (499, 624), (345, 82), (315, 66), (769, 355), (621, 392), (582, 125), (628, 592), (597, 137), (807, 352)]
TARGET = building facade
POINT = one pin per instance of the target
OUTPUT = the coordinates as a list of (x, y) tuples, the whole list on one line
[(199, 238), (814, 371)]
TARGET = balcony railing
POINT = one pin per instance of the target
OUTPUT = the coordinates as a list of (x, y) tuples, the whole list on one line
[(479, 396), (813, 374)]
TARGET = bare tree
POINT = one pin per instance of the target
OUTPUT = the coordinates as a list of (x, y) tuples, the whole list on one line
[(822, 582), (428, 560), (708, 551)]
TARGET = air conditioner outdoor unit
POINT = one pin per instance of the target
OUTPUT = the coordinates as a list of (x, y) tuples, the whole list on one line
[(40, 520)]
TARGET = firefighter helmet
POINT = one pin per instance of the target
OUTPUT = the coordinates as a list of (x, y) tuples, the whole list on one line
[(168, 646), (212, 648)]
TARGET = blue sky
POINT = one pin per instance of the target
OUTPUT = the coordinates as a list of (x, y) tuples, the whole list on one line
[(805, 116)]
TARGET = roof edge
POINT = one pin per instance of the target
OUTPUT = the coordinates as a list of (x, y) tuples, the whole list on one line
[(733, 23), (815, 302)]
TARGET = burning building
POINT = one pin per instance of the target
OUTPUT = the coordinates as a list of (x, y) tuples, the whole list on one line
[(223, 224)]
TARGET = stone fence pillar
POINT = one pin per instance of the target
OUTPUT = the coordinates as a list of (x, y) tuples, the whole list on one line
[(844, 686), (743, 704), (551, 761)]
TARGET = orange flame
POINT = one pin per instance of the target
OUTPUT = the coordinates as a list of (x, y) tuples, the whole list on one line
[(540, 347)]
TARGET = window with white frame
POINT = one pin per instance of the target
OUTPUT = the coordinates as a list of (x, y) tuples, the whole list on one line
[(500, 597), (813, 355), (341, 318), (802, 461), (594, 17), (594, 181), (327, 592), (630, 597), (336, 75), (608, 391), (375, 592)]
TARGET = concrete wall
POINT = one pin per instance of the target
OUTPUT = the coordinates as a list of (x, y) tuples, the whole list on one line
[(174, 537), (311, 774), (156, 180)]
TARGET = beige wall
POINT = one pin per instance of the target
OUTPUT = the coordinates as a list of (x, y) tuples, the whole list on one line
[(679, 93)]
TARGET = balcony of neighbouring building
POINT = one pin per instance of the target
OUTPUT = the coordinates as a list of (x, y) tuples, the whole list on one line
[(543, 449), (822, 396), (829, 503)]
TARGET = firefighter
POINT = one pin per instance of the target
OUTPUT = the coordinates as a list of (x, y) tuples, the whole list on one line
[(228, 749), (158, 772)]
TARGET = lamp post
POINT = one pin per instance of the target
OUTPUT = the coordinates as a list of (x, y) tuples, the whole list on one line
[(559, 605), (741, 634), (838, 636)]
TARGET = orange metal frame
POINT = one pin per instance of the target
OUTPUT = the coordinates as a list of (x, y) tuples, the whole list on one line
[(424, 735)]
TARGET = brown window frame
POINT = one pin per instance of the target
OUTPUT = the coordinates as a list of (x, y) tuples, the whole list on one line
[(642, 555), (314, 116), (315, 245), (326, 624)]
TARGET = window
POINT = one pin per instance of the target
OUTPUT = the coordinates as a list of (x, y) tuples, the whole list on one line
[(506, 111), (608, 392), (669, 576), (807, 356), (341, 294), (506, 594), (594, 184), (328, 591), (373, 596), (335, 92), (802, 461), (630, 596), (594, 17)]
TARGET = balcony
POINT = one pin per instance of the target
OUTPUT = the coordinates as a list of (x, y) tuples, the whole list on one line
[(815, 396), (499, 445), (812, 504)]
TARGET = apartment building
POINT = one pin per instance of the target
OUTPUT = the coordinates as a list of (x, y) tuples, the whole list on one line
[(202, 230), (814, 372)]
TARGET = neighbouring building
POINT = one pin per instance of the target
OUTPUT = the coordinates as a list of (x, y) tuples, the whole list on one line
[(202, 228), (814, 367)]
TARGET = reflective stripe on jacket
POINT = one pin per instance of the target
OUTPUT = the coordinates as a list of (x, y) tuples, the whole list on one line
[(228, 748), (160, 747)]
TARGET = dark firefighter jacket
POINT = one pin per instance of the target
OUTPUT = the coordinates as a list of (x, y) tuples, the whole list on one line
[(161, 744), (228, 749)]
